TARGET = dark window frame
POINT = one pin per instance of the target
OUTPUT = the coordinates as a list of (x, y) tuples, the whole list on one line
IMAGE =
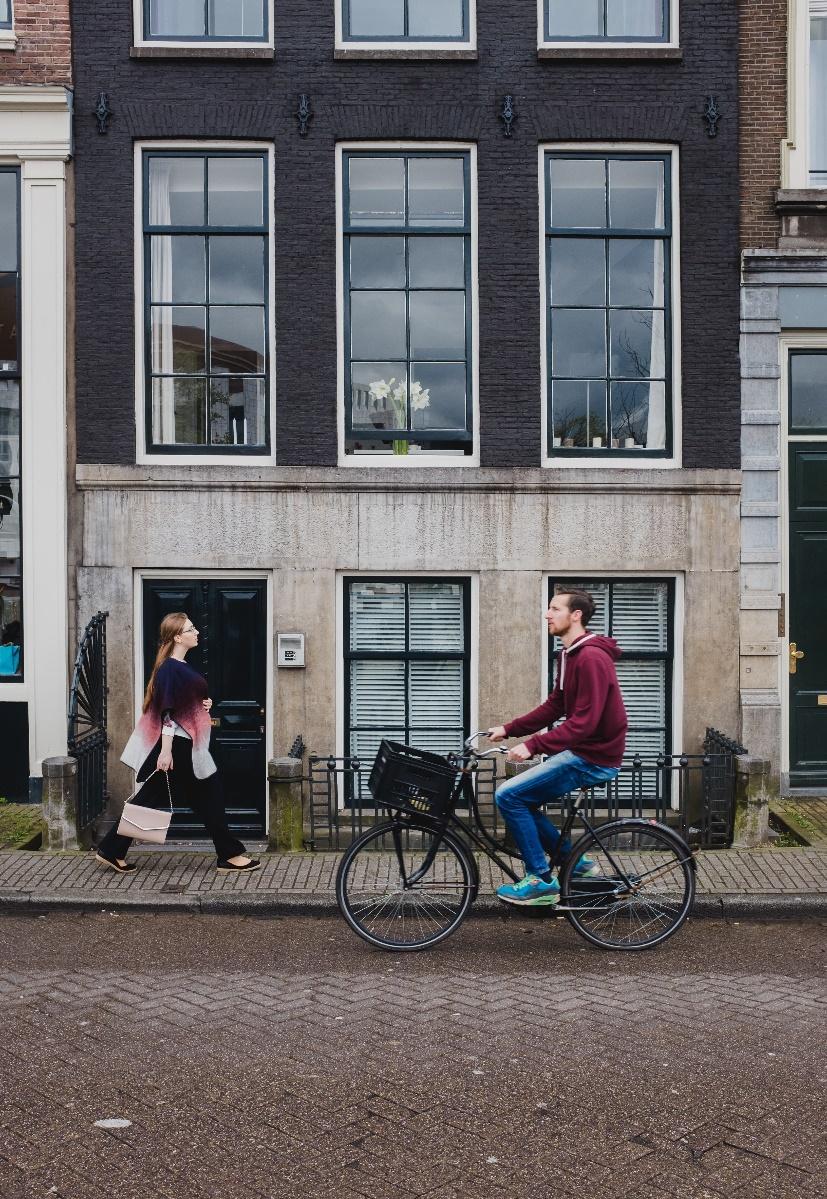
[(460, 441), (178, 449), (406, 655), (606, 235), (16, 374), (207, 38), (605, 39), (667, 655), (802, 430), (405, 38)]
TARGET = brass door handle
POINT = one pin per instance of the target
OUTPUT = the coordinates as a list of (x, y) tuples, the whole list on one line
[(795, 655)]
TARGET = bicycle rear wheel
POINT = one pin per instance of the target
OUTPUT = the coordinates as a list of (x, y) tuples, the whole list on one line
[(640, 913), (384, 906)]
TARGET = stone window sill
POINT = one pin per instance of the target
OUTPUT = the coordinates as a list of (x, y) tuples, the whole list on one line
[(250, 52), (8, 39), (805, 199), (656, 53), (356, 52)]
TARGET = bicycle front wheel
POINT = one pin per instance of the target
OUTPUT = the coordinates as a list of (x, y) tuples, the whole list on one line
[(641, 888), (394, 897)]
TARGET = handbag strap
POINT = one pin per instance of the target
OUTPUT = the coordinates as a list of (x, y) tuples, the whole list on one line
[(146, 780)]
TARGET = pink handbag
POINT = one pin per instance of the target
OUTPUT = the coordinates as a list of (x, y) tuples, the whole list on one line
[(145, 824)]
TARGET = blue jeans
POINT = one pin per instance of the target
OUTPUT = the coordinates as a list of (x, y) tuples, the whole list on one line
[(520, 798)]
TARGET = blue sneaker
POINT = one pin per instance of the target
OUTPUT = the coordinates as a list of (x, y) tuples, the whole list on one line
[(586, 868), (531, 891)]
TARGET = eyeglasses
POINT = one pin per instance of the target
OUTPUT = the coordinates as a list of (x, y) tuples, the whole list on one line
[(190, 629)]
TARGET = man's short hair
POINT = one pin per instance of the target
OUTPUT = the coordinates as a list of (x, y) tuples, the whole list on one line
[(578, 601)]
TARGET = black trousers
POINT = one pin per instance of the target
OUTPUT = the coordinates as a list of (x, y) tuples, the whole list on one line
[(204, 796)]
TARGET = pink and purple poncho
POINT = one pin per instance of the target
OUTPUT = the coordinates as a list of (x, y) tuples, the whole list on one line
[(178, 694)]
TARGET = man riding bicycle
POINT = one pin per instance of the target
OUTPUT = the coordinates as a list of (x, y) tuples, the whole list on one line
[(585, 749)]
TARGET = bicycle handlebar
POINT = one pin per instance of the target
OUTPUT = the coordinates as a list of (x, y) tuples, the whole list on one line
[(486, 753)]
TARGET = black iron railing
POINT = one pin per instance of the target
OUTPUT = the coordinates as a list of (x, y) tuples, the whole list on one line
[(86, 734), (693, 793)]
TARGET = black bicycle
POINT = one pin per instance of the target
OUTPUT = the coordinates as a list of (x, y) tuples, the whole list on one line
[(638, 894)]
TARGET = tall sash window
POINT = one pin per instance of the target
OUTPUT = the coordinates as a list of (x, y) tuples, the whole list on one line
[(818, 93), (11, 554)]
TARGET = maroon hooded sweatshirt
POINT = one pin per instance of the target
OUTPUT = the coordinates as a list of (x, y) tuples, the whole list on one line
[(587, 694)]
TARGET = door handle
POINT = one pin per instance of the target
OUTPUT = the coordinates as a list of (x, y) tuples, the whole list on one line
[(795, 655), (215, 721)]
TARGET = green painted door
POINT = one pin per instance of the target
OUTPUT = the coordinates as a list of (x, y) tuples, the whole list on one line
[(808, 615)]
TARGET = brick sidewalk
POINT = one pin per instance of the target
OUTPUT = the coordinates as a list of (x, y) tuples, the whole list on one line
[(188, 879)]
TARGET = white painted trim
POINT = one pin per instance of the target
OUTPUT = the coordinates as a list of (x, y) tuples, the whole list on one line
[(645, 463), (138, 577), (35, 122), (798, 341), (473, 680), (198, 44), (402, 46), (406, 461), (544, 43), (679, 616), (142, 457), (795, 148), (8, 39)]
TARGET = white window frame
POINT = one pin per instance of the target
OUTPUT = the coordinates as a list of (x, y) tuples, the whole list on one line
[(545, 43), (205, 43), (138, 577), (401, 48), (678, 615), (473, 674), (795, 149), (142, 456), (405, 461), (567, 461)]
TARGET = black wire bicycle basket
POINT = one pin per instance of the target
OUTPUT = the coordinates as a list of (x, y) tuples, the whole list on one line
[(412, 780)]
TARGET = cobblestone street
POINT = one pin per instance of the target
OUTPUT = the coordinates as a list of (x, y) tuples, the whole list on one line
[(282, 1057)]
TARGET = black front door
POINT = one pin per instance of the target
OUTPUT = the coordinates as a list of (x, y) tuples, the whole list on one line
[(807, 662), (231, 617)]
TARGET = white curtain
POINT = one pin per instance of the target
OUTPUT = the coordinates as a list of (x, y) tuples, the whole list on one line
[(163, 390), (656, 425), (818, 93)]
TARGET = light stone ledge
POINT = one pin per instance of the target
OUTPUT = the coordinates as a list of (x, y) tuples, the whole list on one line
[(759, 508), (761, 554), (760, 416), (766, 601), (763, 463)]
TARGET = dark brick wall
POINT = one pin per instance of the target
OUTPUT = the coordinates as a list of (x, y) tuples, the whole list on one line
[(648, 101)]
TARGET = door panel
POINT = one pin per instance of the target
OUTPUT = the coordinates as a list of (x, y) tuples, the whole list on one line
[(231, 616), (808, 596)]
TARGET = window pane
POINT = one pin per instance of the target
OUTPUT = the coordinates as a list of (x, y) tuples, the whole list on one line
[(634, 18), (438, 395), (379, 395), (437, 324), (578, 193), (637, 344), (377, 18), (8, 220), (178, 267), (436, 617), (237, 18), (5, 12), (437, 261), (179, 411), (435, 694), (377, 191), (818, 101), (435, 18), (640, 616), (237, 340), (178, 340), (436, 191), (643, 685), (176, 18), (378, 324), (377, 261), (808, 391), (636, 194), (237, 270), (578, 411), (578, 271), (8, 322), (236, 191), (639, 415), (636, 272), (11, 610), (176, 191), (237, 412), (377, 616), (377, 692), (578, 343), (575, 18)]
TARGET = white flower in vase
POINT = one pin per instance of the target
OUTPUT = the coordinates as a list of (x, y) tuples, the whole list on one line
[(420, 397)]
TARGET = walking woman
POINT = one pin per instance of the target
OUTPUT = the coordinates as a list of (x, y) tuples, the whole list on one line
[(173, 737)]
